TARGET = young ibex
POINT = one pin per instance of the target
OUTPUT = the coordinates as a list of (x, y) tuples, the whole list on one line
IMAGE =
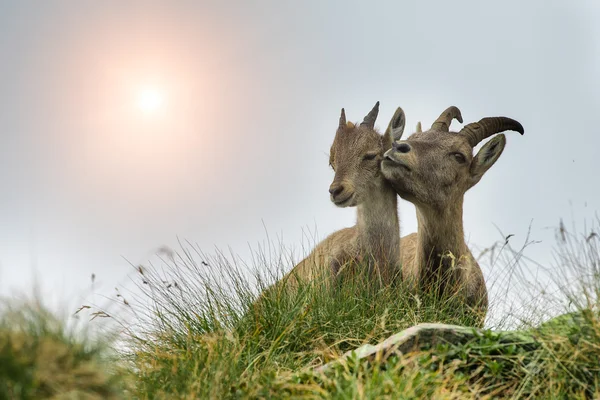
[(356, 156), (433, 170)]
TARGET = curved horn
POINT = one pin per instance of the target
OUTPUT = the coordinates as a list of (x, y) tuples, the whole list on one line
[(486, 127), (369, 120), (342, 120), (445, 118)]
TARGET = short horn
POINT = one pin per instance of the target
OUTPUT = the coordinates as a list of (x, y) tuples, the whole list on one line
[(342, 120), (486, 127), (444, 120), (369, 120)]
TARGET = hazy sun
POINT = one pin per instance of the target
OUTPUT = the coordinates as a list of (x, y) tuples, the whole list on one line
[(150, 100)]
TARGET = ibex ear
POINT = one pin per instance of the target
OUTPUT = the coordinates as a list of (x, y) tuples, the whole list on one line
[(395, 128), (486, 157)]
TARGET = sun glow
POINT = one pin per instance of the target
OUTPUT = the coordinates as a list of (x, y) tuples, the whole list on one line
[(150, 100)]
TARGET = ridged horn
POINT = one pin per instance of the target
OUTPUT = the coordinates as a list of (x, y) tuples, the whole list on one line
[(369, 120), (486, 127), (342, 120), (445, 118)]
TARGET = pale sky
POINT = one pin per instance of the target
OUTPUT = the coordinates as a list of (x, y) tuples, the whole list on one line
[(251, 95)]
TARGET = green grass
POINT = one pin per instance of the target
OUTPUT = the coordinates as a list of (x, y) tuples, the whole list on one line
[(287, 333), (195, 330), (40, 357)]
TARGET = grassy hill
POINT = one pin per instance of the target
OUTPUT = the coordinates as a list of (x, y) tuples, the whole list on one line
[(198, 333)]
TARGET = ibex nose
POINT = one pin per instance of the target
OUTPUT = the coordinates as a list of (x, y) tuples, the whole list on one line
[(401, 147), (336, 189)]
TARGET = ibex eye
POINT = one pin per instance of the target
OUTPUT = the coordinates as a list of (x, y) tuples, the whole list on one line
[(459, 157), (368, 157)]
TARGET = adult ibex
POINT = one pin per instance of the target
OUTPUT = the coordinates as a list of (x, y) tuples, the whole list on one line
[(433, 170), (356, 156)]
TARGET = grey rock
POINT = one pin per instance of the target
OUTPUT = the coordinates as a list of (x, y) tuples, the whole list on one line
[(424, 336)]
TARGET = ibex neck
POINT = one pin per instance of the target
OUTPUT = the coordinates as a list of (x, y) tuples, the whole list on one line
[(377, 225), (440, 232)]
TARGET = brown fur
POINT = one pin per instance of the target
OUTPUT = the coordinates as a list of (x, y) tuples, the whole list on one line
[(434, 173)]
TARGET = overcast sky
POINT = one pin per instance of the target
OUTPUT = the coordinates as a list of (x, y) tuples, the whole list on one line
[(251, 98)]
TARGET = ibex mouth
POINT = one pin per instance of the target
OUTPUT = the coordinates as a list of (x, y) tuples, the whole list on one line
[(345, 201), (390, 162)]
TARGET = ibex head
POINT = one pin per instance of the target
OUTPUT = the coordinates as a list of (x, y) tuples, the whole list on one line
[(437, 166), (355, 156)]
